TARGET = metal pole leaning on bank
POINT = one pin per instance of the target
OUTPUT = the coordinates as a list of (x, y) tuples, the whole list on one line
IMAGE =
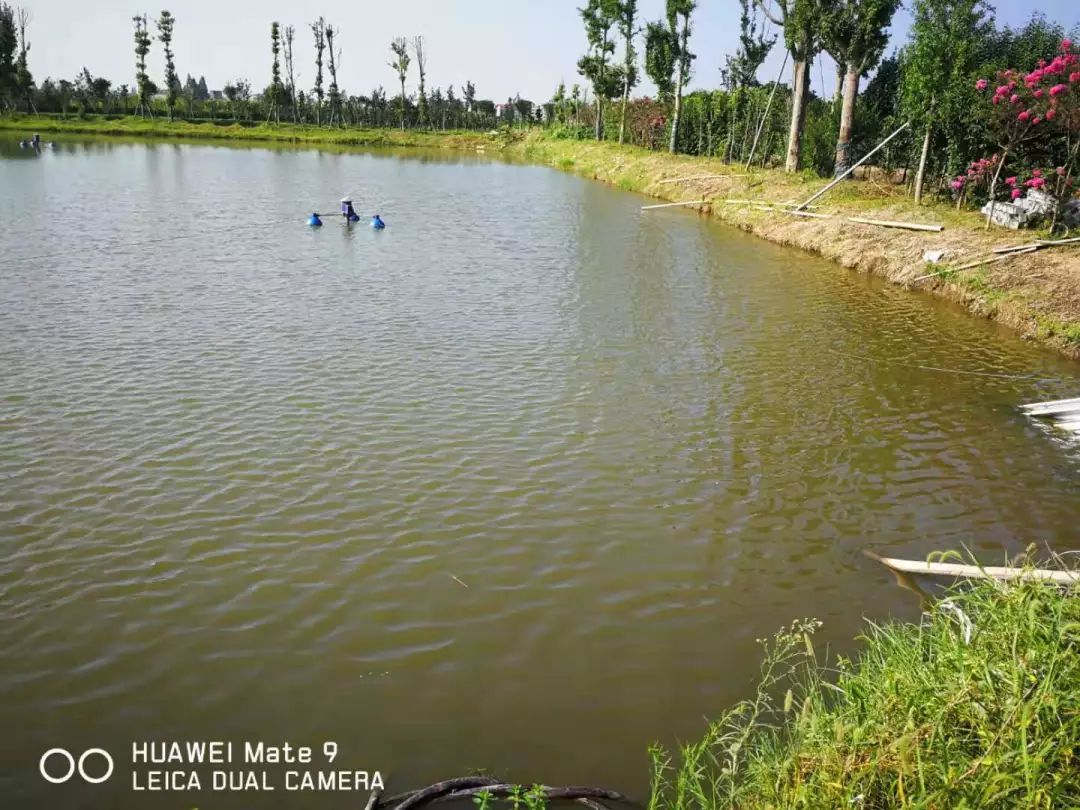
[(865, 158), (768, 106)]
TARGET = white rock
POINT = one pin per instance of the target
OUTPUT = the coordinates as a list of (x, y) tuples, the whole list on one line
[(934, 255)]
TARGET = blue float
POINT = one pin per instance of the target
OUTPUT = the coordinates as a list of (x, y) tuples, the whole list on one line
[(314, 220), (377, 223)]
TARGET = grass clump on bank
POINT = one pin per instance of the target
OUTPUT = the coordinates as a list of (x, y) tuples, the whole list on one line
[(978, 706)]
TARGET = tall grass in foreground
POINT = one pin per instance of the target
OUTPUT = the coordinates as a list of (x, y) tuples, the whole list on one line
[(977, 706)]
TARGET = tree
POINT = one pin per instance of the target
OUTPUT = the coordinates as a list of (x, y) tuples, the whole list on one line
[(290, 89), (8, 44), (400, 63), (660, 48), (940, 64), (627, 16), (276, 89), (143, 84), (335, 59), (421, 67), (599, 17), (165, 33), (855, 33), (318, 28), (683, 57), (800, 20), (754, 46), (469, 96), (24, 81)]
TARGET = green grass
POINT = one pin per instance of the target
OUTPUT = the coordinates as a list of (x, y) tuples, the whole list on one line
[(132, 126), (920, 718)]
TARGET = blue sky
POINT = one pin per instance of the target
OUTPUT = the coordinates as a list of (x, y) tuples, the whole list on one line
[(503, 46)]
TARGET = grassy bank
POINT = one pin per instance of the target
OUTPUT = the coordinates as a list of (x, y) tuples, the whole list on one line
[(136, 127), (1036, 294), (976, 707)]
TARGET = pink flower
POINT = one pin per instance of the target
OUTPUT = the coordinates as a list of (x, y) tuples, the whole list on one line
[(1060, 171), (1038, 94), (1036, 173), (1023, 116), (1014, 99), (957, 184), (981, 84), (1066, 44), (1058, 89), (1010, 181), (1074, 77), (996, 100), (1016, 193), (1035, 120), (1050, 114)]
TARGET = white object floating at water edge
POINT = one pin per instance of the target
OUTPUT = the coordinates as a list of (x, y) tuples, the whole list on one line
[(1063, 413), (1049, 408), (975, 571)]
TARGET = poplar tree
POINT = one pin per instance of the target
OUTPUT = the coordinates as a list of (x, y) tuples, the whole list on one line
[(660, 59), (8, 44), (275, 73), (421, 67), (335, 95), (290, 89), (143, 85), (318, 28), (855, 33), (599, 17), (627, 11), (400, 63), (683, 57), (165, 33), (800, 20)]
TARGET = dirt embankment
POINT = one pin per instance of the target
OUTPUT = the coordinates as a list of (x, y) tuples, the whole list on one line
[(1037, 294)]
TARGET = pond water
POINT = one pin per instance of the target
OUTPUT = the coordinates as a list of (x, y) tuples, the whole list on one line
[(514, 484)]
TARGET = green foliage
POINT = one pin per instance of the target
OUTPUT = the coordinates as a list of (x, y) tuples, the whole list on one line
[(146, 88), (754, 46), (855, 32), (977, 705), (399, 47), (660, 49), (8, 44), (165, 25)]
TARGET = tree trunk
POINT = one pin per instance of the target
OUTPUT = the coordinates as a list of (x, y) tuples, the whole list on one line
[(847, 121), (625, 101), (799, 97), (403, 104), (993, 187), (841, 77), (599, 123), (920, 175), (679, 85)]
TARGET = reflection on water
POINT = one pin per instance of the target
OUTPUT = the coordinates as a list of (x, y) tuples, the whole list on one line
[(513, 484)]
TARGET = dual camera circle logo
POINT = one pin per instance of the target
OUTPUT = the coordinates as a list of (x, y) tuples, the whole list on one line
[(73, 765)]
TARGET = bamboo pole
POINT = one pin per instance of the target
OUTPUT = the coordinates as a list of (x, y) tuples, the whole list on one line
[(1038, 243), (979, 263), (885, 223), (976, 571), (673, 205), (736, 201), (792, 212), (854, 166), (768, 106)]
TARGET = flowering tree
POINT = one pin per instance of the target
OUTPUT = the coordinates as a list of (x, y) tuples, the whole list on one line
[(1044, 104)]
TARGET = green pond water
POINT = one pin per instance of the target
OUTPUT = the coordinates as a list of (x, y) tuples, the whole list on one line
[(514, 484)]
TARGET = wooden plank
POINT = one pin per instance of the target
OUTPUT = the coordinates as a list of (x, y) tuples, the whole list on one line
[(1049, 408), (673, 205), (976, 571), (886, 223), (1039, 243)]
